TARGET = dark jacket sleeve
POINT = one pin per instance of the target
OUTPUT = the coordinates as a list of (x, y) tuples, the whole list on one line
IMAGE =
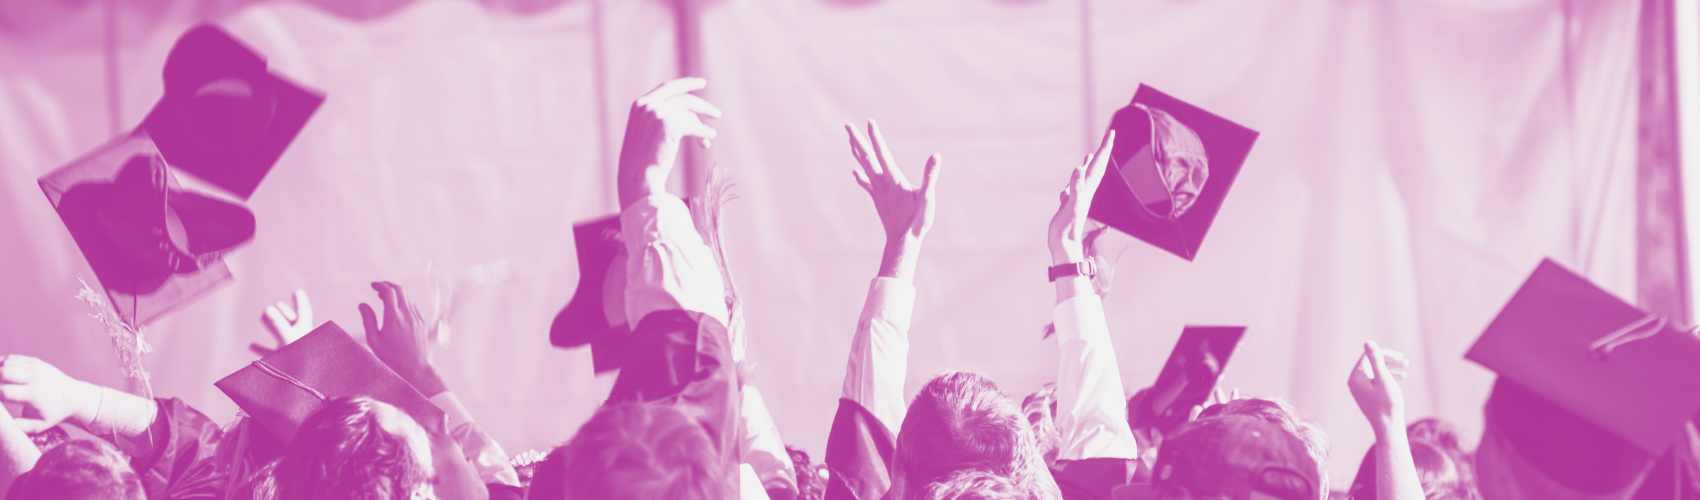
[(175, 458), (684, 359), (858, 454), (1092, 478)]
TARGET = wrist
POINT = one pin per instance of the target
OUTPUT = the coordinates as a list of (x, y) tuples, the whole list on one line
[(899, 259), (1065, 254), (84, 400), (426, 381), (1389, 426)]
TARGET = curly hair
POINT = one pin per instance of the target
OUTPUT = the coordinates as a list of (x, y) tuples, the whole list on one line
[(976, 484), (79, 469), (633, 450), (959, 421), (354, 448)]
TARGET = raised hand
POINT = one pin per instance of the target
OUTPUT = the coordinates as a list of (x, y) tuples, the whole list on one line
[(905, 210), (1375, 386), (401, 342), (658, 122), (1068, 227), (287, 322), (49, 395)]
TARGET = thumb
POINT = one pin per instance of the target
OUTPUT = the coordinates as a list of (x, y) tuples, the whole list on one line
[(930, 177), (32, 425), (369, 319)]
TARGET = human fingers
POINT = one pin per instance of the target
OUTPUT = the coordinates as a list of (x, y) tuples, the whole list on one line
[(683, 125), (1373, 351), (688, 102), (887, 161), (16, 393), (392, 308), (862, 180), (275, 321), (286, 311), (19, 369), (261, 350), (1100, 161), (33, 425), (672, 88), (369, 319), (303, 308), (930, 176), (864, 152)]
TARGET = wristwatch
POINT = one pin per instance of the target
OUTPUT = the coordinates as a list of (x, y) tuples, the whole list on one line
[(1073, 269)]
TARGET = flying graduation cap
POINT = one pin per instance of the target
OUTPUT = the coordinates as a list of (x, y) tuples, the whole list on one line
[(153, 245), (1170, 168), (1189, 375), (596, 315)]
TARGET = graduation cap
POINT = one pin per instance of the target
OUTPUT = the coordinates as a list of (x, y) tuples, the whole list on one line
[(1629, 373), (152, 245), (1170, 168), (224, 117), (1189, 375), (596, 315), (281, 390)]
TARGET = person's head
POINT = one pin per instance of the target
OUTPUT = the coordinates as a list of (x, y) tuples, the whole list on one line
[(1533, 447), (1235, 456), (79, 469), (630, 450), (960, 420), (356, 448), (1442, 477), (976, 484), (810, 485), (1041, 410), (1277, 411)]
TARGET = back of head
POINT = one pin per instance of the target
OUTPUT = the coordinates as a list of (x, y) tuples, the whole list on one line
[(960, 421), (1277, 411), (1041, 410), (1442, 477), (81, 469), (355, 448), (632, 450), (1234, 456), (976, 484)]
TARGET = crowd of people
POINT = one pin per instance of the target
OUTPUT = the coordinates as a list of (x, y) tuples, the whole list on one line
[(682, 420)]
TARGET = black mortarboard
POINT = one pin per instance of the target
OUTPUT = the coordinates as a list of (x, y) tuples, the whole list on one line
[(1190, 374), (224, 117), (152, 245), (281, 390), (600, 295), (1626, 371), (1171, 167)]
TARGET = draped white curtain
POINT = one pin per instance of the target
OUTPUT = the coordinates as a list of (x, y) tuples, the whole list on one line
[(1417, 159)]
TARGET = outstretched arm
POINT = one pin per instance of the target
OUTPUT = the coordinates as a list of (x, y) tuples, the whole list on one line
[(1091, 412), (1375, 385), (879, 353), (401, 343)]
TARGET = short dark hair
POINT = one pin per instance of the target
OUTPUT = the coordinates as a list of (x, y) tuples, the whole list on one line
[(1277, 411), (79, 469), (960, 421), (637, 450), (345, 450)]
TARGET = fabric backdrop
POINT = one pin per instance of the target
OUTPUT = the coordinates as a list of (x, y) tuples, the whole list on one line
[(1417, 159)]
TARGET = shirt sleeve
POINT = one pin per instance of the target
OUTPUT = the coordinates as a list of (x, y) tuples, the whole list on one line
[(483, 453), (668, 266), (1091, 407), (764, 451), (879, 354)]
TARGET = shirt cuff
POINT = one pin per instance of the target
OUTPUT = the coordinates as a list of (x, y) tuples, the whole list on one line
[(892, 301), (123, 414), (452, 408), (668, 266)]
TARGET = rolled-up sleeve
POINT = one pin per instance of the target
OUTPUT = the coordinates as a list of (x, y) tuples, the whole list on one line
[(1091, 407), (668, 266), (879, 354)]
